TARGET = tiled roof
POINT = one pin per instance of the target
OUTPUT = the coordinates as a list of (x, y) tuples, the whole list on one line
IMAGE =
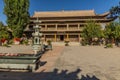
[(64, 13)]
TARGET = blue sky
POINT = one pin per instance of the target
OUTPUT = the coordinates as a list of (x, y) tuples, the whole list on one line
[(100, 6)]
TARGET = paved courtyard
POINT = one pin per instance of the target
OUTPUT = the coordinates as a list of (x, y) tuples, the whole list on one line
[(93, 61), (74, 63)]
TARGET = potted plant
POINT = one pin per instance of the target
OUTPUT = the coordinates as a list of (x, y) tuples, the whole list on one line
[(49, 44), (67, 42)]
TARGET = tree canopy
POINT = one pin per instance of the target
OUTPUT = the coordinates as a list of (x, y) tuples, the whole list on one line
[(3, 31), (112, 30), (117, 32), (115, 11), (92, 30), (109, 30), (17, 15)]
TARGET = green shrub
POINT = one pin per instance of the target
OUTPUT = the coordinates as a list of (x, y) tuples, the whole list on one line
[(84, 42), (109, 45), (25, 42), (10, 41), (6, 45)]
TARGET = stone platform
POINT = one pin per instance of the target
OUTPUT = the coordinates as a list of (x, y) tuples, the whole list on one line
[(18, 57), (17, 49)]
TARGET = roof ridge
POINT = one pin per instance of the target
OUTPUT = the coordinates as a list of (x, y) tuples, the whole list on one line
[(63, 11)]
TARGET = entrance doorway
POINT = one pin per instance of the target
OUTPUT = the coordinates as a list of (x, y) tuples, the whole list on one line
[(61, 37)]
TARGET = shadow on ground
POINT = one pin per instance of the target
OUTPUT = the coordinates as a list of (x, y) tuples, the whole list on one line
[(55, 75)]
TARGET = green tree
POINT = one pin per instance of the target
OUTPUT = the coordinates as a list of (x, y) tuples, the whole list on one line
[(92, 30), (3, 31), (117, 33), (109, 30), (17, 15), (115, 11), (112, 32)]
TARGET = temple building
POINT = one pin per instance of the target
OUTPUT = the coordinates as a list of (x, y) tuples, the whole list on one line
[(65, 25)]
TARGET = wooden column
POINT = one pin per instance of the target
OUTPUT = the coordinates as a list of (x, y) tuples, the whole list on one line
[(67, 26), (79, 38), (56, 26), (44, 38), (45, 27), (55, 37), (67, 37), (78, 26)]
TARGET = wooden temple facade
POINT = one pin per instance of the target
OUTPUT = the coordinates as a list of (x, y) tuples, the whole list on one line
[(65, 25)]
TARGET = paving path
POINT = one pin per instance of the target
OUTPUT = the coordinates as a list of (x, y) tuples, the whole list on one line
[(50, 57)]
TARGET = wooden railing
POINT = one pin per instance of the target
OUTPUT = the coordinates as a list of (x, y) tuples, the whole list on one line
[(63, 29)]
